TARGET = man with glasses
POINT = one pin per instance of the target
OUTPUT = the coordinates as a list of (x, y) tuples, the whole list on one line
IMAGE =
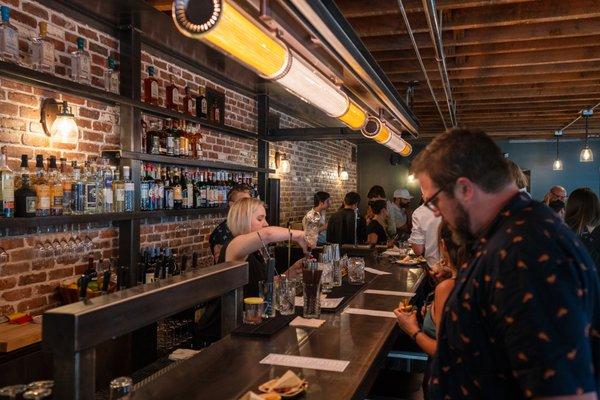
[(424, 234), (556, 193), (523, 320)]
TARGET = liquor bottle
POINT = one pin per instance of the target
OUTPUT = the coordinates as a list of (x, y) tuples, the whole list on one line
[(217, 113), (177, 191), (107, 186), (172, 95), (111, 76), (183, 139), (152, 196), (188, 101), (56, 188), (185, 193), (169, 138), (9, 38), (129, 194), (204, 189), (151, 87), (160, 188), (42, 188), (25, 195), (176, 138), (67, 189), (7, 187), (144, 189), (201, 104), (190, 190), (78, 195), (42, 50), (91, 189), (80, 63), (198, 150), (119, 193), (153, 139), (169, 195)]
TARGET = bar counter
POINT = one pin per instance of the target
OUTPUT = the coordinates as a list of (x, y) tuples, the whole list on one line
[(230, 367)]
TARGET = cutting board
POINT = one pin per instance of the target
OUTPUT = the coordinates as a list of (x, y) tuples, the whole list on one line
[(13, 337)]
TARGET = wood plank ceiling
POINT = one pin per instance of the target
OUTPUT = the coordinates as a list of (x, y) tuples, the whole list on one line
[(517, 68)]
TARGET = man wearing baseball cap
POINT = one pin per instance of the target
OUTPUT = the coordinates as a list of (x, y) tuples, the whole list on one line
[(400, 209)]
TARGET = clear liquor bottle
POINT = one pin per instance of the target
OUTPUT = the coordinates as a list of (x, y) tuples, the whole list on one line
[(169, 199), (108, 178), (119, 193), (42, 188), (9, 38), (67, 187), (7, 187), (56, 188), (160, 188), (25, 195), (42, 50), (91, 189), (111, 76), (78, 193), (129, 194), (80, 63), (144, 190)]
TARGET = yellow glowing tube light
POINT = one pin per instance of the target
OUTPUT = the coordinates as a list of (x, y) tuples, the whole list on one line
[(381, 133), (228, 30), (354, 117)]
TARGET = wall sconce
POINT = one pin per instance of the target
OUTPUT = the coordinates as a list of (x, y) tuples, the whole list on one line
[(411, 180), (342, 173), (282, 164), (59, 122)]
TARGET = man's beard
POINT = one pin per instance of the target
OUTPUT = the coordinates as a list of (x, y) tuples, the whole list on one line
[(461, 232)]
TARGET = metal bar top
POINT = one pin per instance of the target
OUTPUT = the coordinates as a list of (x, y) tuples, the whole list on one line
[(230, 367)]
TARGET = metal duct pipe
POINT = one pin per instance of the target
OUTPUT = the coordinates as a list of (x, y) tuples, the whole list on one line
[(420, 59), (436, 38)]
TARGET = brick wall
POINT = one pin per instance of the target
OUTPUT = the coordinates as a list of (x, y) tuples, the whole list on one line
[(314, 167)]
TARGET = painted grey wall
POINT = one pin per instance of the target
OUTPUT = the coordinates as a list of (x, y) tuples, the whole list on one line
[(374, 167), (539, 156)]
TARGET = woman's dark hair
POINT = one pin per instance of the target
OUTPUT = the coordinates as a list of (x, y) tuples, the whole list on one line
[(320, 197), (583, 209), (459, 254), (557, 205), (377, 206), (376, 191)]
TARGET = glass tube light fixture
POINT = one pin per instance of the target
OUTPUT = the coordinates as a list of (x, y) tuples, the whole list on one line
[(557, 165), (586, 155), (219, 24), (378, 131)]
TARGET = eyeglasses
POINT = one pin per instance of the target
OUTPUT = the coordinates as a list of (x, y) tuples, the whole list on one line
[(431, 203)]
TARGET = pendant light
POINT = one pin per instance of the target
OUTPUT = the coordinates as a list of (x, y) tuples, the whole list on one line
[(558, 164), (586, 154)]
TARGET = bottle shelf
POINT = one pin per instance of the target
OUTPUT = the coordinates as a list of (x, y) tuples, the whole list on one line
[(172, 160), (25, 223)]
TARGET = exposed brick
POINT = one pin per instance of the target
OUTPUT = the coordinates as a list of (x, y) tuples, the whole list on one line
[(12, 243), (89, 147), (8, 283), (96, 48), (32, 304), (87, 113), (32, 278), (30, 139), (13, 123), (60, 273), (102, 126), (16, 294), (42, 263), (23, 98), (92, 136), (88, 33), (22, 254), (29, 113), (23, 18), (10, 136), (13, 268), (6, 309), (73, 99)]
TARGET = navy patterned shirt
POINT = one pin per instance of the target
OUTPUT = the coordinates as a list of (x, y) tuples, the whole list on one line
[(220, 236), (524, 317)]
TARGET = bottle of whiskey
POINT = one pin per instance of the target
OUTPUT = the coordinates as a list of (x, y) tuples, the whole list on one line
[(169, 138), (153, 139), (67, 188), (188, 101), (111, 76), (201, 104), (7, 187), (183, 139), (151, 87), (78, 194), (25, 196), (42, 50), (176, 138), (172, 95), (177, 192), (129, 194), (9, 38), (56, 188), (80, 63), (42, 188)]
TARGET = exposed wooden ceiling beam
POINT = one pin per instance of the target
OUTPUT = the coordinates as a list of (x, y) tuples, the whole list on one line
[(161, 5)]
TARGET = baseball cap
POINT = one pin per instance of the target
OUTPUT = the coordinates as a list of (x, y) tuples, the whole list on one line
[(402, 194)]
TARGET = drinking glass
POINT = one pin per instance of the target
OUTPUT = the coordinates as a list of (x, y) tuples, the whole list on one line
[(121, 388), (286, 296), (253, 310), (311, 295), (64, 245), (37, 394), (326, 266), (266, 290), (12, 391), (80, 245), (356, 271), (311, 230), (88, 244), (57, 247)]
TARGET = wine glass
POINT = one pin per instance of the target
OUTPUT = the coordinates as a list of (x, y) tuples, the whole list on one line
[(88, 244), (49, 248), (64, 246), (40, 250), (79, 243), (12, 391), (57, 247)]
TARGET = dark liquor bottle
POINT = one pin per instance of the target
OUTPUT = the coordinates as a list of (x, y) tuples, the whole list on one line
[(201, 104), (177, 192), (188, 102), (25, 196), (169, 138), (169, 201), (172, 95), (153, 139), (151, 88), (185, 192)]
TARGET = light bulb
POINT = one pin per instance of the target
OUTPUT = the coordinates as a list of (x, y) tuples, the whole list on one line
[(344, 176), (586, 155), (411, 179), (285, 166), (557, 165), (64, 129)]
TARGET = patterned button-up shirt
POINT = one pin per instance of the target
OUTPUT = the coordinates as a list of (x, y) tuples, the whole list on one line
[(524, 317), (220, 236)]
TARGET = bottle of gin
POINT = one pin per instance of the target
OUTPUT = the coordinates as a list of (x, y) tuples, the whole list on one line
[(7, 187), (25, 196), (111, 77), (78, 195), (80, 63), (42, 188), (108, 183), (9, 38), (91, 190), (119, 192), (67, 187), (56, 188), (151, 87), (42, 50), (129, 190)]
